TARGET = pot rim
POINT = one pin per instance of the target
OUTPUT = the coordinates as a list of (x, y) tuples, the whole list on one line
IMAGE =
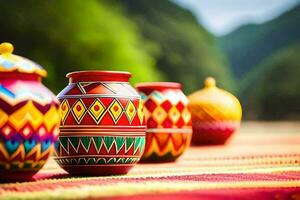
[(158, 85), (98, 75)]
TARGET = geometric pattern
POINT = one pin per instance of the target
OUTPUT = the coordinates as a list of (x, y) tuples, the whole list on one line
[(212, 112), (96, 161), (100, 150), (97, 110), (27, 155), (163, 110), (123, 111), (27, 132), (29, 121), (168, 124), (78, 110), (70, 146), (29, 117), (102, 123), (165, 146)]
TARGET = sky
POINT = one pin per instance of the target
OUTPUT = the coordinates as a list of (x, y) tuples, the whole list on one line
[(223, 16)]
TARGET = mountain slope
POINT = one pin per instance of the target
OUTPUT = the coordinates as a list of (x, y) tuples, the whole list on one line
[(249, 45), (271, 90), (183, 49)]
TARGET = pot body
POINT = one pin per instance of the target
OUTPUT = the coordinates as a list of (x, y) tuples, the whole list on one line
[(216, 114), (168, 121), (29, 122), (102, 128)]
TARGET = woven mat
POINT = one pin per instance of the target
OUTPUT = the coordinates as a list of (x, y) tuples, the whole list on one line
[(251, 166)]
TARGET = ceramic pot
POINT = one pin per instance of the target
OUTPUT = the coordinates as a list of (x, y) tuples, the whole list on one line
[(29, 116), (102, 128), (216, 114), (168, 121)]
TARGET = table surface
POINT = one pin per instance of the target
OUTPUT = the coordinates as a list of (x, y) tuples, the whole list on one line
[(262, 161)]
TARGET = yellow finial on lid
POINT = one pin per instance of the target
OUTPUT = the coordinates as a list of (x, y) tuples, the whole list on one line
[(210, 82), (6, 47)]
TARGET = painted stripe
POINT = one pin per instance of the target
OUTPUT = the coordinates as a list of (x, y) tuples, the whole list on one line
[(93, 165), (169, 130), (86, 134), (99, 96), (102, 130), (103, 126), (99, 156)]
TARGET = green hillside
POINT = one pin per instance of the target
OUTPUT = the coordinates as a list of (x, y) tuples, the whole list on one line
[(184, 50), (68, 35), (249, 45), (271, 90), (154, 40)]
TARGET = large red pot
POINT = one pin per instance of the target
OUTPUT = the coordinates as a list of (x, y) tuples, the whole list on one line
[(102, 128)]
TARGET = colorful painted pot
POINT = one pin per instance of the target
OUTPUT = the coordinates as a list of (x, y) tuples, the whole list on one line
[(29, 116), (168, 121), (102, 128), (216, 114)]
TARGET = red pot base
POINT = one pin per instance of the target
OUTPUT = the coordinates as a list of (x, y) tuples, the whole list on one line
[(210, 138), (97, 170), (13, 176)]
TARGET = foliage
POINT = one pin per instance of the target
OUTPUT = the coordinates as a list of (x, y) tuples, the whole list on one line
[(271, 90), (73, 35), (184, 50)]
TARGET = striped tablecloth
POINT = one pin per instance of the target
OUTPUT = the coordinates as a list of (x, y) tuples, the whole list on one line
[(251, 166)]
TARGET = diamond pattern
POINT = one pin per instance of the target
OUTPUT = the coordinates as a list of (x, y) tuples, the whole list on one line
[(78, 110), (140, 111), (166, 110), (166, 105), (7, 131), (150, 105), (64, 110), (159, 114), (96, 110), (26, 132), (107, 111), (115, 110), (130, 111), (186, 115), (174, 114)]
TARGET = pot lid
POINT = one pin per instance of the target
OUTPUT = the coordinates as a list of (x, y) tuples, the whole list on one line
[(10, 62)]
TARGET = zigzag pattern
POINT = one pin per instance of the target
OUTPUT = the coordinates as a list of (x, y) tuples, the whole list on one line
[(24, 155), (16, 92), (162, 144), (106, 145), (96, 161), (29, 119)]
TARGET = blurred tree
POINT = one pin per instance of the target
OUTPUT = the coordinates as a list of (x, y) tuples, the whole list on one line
[(184, 50), (70, 35), (271, 90)]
